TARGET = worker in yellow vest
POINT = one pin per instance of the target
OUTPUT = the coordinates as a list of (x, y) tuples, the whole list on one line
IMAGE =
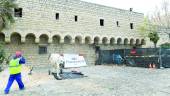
[(15, 66)]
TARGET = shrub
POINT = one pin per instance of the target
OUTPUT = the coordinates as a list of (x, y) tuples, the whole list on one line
[(2, 56), (165, 45)]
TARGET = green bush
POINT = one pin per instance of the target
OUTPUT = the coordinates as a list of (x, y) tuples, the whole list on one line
[(2, 56), (165, 45)]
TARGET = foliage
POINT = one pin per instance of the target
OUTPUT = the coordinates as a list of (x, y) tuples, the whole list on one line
[(2, 55), (149, 30), (6, 13), (165, 45), (154, 37), (6, 19), (144, 27)]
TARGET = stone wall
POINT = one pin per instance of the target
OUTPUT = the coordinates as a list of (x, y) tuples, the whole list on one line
[(38, 26), (31, 52)]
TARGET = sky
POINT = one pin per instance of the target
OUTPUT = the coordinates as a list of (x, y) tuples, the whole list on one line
[(142, 6)]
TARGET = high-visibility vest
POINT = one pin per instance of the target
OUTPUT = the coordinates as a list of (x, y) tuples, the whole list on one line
[(14, 66)]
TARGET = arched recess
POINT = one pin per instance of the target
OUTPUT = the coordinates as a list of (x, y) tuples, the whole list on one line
[(137, 42), (125, 41), (2, 37), (143, 42), (87, 40), (131, 41), (56, 39), (112, 41), (43, 39), (96, 40), (119, 41), (67, 39), (15, 38), (30, 38), (104, 40), (78, 39)]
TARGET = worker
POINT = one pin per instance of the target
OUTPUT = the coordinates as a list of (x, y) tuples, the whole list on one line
[(133, 51), (15, 65), (117, 58)]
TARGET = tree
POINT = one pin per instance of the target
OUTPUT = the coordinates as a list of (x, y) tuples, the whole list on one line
[(6, 18), (161, 16), (154, 37), (6, 11), (149, 30), (2, 56), (143, 28)]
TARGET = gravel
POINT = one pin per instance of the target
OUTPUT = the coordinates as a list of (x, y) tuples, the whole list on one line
[(101, 80)]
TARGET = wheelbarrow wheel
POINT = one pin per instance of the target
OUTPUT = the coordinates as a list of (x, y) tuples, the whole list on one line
[(57, 77)]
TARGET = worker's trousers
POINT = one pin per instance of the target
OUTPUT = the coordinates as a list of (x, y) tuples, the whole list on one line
[(16, 77)]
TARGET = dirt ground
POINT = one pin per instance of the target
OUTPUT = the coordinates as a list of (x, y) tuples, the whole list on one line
[(101, 81)]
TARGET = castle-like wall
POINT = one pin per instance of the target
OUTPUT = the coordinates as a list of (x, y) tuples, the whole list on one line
[(39, 22), (39, 18)]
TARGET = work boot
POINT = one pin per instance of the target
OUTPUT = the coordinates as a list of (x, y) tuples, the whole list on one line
[(6, 92), (22, 88)]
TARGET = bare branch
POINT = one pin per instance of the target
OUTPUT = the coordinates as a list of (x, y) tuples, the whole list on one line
[(161, 16)]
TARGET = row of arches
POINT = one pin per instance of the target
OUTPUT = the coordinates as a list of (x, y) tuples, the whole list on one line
[(56, 39)]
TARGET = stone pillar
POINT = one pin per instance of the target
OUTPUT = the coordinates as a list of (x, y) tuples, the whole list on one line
[(7, 39), (62, 40), (92, 41), (72, 41), (50, 40), (83, 41), (108, 42), (100, 41), (37, 40), (22, 39)]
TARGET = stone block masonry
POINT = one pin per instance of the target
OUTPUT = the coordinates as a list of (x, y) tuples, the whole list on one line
[(41, 26)]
